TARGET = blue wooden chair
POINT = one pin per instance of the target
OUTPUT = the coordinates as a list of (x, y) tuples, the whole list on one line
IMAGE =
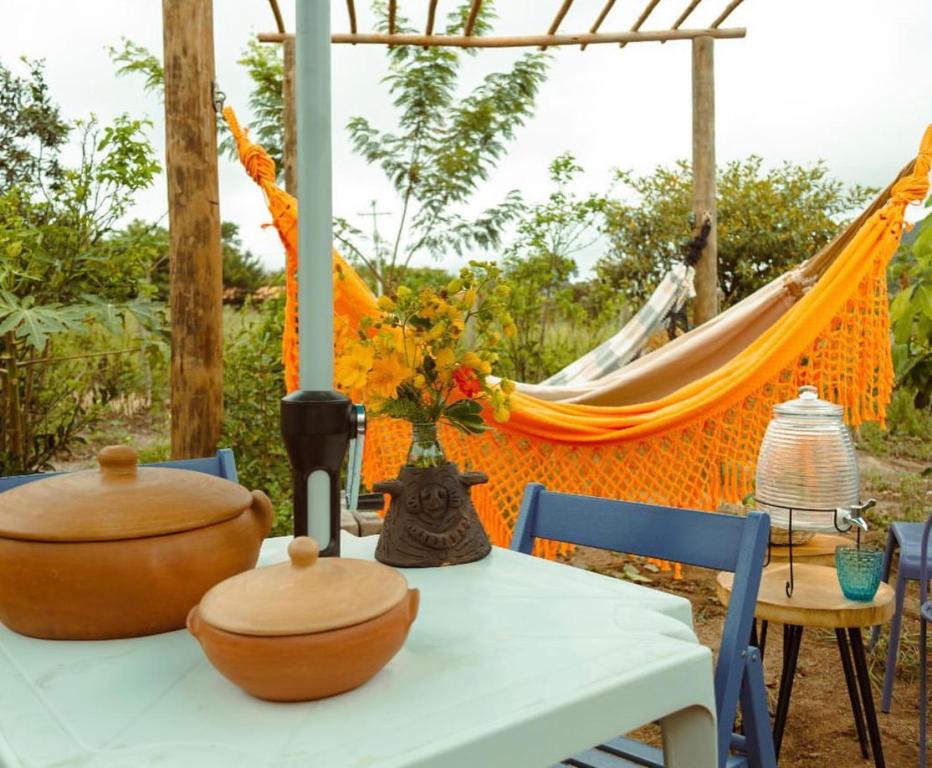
[(925, 616), (704, 539), (221, 465), (907, 538)]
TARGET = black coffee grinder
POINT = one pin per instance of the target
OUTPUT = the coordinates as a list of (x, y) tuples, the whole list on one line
[(318, 428)]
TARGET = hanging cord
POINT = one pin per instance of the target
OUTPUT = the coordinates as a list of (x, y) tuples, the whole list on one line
[(678, 319)]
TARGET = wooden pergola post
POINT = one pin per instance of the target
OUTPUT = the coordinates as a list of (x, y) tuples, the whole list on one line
[(194, 224), (290, 142), (706, 280)]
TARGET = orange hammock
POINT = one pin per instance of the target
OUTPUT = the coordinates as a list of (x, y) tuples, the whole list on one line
[(695, 446)]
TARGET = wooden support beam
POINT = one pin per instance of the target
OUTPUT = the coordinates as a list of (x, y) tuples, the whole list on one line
[(686, 14), (196, 291), (558, 19), (392, 12), (648, 10), (471, 19), (703, 82), (277, 13), (521, 41), (431, 16), (726, 13), (598, 22), (351, 12), (289, 120)]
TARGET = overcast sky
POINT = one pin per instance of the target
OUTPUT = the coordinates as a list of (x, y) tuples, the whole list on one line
[(845, 81)]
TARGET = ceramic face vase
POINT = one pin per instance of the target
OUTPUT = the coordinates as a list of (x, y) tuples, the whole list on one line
[(431, 520)]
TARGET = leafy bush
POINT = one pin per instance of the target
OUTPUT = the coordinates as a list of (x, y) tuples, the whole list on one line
[(253, 385)]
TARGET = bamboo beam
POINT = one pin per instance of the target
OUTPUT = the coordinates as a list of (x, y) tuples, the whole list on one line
[(351, 12), (598, 22), (277, 13), (196, 292), (726, 13), (521, 41), (703, 89), (686, 14), (471, 19), (558, 19), (289, 121), (648, 10), (392, 12), (431, 15)]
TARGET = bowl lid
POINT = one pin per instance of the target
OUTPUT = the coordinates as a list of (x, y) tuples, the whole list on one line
[(304, 596), (808, 404), (120, 500)]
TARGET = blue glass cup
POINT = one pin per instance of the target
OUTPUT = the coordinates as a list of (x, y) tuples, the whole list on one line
[(859, 572)]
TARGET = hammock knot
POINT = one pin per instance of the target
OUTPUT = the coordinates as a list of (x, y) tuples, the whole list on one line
[(910, 189)]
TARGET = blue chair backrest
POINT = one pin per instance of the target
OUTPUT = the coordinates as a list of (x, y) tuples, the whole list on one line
[(705, 539), (221, 465)]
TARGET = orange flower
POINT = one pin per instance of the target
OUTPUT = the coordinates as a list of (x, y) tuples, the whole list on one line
[(467, 381), (387, 374)]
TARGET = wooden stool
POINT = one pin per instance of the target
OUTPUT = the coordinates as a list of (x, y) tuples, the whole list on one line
[(819, 550), (817, 601)]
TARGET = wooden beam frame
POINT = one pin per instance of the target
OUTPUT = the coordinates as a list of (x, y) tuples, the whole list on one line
[(648, 10), (351, 12), (685, 14), (703, 167), (520, 41), (471, 19), (599, 19), (392, 13), (726, 13), (431, 16)]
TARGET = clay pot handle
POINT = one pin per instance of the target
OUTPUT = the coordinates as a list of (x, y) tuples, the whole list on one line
[(414, 602), (303, 552), (118, 461), (193, 622), (262, 509)]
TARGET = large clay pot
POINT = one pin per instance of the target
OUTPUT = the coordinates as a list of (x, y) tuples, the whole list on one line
[(123, 551), (306, 629)]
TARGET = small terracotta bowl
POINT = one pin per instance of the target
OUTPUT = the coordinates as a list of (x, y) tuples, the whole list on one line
[(270, 657)]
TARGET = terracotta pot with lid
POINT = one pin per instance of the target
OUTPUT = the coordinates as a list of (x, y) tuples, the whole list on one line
[(121, 551), (305, 629)]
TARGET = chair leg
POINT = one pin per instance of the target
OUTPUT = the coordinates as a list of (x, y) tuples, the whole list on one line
[(894, 645), (754, 714), (885, 576), (923, 701)]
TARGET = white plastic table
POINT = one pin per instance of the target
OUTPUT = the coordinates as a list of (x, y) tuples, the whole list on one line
[(513, 662)]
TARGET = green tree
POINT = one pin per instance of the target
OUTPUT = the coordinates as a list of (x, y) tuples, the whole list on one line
[(768, 221), (241, 269), (64, 296), (31, 128), (446, 143), (911, 314), (539, 266)]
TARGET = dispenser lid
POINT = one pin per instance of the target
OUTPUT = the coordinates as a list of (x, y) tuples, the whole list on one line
[(120, 500), (303, 596), (808, 404)]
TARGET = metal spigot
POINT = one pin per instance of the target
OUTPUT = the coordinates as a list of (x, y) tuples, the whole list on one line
[(845, 518)]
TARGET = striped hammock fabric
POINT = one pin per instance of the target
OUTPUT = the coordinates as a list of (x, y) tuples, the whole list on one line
[(669, 296)]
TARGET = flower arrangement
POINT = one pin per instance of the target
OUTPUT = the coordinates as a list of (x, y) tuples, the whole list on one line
[(414, 361)]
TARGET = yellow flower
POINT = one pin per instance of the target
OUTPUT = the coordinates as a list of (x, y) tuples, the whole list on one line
[(469, 298), (436, 331), (471, 359), (501, 414), (353, 366), (507, 386), (403, 292), (419, 381), (445, 357), (454, 286), (385, 303), (485, 367), (387, 374), (457, 327), (510, 330)]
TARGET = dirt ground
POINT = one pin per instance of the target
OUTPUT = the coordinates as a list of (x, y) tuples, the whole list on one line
[(820, 727)]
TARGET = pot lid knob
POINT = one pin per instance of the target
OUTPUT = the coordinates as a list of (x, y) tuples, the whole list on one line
[(118, 461), (808, 392), (303, 552)]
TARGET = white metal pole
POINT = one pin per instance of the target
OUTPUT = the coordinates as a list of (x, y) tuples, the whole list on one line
[(315, 271)]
